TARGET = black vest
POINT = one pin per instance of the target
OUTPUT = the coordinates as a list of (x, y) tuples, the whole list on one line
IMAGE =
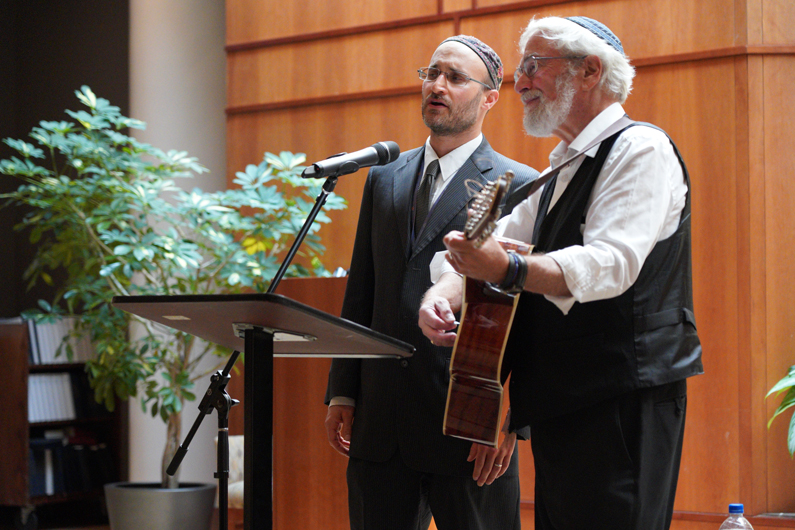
[(642, 338)]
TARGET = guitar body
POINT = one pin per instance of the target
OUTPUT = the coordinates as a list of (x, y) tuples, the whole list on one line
[(475, 393)]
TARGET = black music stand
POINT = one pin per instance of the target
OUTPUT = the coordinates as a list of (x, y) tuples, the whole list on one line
[(263, 325)]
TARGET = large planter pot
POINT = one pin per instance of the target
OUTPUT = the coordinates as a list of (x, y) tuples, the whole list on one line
[(137, 506)]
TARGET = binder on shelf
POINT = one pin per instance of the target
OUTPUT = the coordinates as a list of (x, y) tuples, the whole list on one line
[(50, 397), (46, 467), (48, 337)]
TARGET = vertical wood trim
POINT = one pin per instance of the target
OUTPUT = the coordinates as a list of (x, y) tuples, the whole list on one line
[(744, 289), (14, 486), (741, 22), (754, 351)]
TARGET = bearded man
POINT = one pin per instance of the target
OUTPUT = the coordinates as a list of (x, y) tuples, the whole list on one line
[(387, 415), (604, 337)]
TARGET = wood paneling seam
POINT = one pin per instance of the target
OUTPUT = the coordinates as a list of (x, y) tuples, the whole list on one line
[(719, 53)]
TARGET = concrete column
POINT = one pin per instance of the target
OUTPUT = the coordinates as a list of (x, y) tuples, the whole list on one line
[(178, 87)]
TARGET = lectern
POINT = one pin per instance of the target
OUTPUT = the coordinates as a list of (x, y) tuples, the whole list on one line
[(263, 326)]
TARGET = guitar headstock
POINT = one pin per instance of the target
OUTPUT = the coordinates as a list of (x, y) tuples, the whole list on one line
[(485, 210)]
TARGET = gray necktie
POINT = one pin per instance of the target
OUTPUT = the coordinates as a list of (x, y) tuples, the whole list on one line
[(424, 195)]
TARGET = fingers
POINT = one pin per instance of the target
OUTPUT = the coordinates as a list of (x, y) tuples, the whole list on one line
[(487, 464), (491, 463), (437, 322), (487, 262), (339, 421)]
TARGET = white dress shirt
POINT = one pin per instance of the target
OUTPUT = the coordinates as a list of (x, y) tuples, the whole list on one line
[(449, 164), (637, 200)]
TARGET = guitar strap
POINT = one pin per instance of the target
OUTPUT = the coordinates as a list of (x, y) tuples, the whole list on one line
[(617, 126)]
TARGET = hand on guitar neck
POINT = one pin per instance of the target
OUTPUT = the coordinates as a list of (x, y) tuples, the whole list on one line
[(488, 262)]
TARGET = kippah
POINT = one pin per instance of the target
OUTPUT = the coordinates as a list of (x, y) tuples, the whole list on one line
[(486, 54), (600, 30)]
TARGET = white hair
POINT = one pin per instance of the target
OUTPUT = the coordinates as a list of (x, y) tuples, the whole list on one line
[(572, 39)]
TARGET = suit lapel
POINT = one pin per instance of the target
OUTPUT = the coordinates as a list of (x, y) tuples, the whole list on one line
[(403, 180), (466, 183)]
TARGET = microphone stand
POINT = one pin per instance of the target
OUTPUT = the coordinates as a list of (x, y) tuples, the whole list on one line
[(215, 398), (327, 189)]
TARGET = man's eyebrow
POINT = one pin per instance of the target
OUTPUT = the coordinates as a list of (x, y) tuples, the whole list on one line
[(457, 71)]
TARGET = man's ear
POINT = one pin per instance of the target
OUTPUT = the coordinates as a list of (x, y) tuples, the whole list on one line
[(491, 99), (592, 72)]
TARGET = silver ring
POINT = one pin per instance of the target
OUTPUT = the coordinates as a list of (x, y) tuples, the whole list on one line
[(497, 465)]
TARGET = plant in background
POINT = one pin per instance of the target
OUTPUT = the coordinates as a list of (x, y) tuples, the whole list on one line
[(786, 384), (105, 209)]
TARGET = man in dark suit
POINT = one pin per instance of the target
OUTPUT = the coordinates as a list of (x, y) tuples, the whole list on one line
[(387, 415)]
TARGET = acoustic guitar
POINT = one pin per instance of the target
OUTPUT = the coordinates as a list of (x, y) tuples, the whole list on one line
[(475, 393)]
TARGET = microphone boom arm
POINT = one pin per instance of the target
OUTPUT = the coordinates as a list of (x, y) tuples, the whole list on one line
[(327, 189)]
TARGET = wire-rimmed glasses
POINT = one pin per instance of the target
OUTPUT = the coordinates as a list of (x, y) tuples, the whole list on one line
[(431, 74), (529, 65)]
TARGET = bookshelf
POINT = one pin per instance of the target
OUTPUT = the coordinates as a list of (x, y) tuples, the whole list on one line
[(58, 445)]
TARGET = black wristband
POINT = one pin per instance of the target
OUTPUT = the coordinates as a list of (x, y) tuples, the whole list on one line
[(521, 275), (510, 274)]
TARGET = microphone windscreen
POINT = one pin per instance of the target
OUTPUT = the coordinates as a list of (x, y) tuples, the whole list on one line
[(387, 152)]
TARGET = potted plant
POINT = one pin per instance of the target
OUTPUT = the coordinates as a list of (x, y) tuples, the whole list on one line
[(104, 210), (785, 384)]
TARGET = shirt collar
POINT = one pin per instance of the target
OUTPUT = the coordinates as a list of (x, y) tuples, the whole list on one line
[(452, 161), (602, 121)]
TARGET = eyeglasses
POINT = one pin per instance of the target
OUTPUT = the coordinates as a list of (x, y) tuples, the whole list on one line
[(454, 78), (529, 65)]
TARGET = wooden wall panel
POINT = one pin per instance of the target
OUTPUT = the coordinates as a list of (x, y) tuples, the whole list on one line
[(777, 26), (650, 28), (255, 20), (344, 65), (675, 98), (749, 78), (780, 242), (449, 6)]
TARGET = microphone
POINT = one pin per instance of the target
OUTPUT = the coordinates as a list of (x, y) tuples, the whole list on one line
[(344, 163)]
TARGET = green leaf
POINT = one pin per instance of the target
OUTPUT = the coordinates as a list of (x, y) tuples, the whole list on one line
[(25, 149), (108, 270), (86, 96), (791, 437)]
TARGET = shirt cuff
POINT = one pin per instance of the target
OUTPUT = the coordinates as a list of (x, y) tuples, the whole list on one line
[(564, 303), (439, 265), (341, 400)]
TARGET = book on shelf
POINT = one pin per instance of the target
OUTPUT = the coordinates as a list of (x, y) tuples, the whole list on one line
[(46, 473), (46, 340), (50, 397), (62, 396), (63, 461)]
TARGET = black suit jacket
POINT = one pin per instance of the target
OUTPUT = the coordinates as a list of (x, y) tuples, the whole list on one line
[(400, 403)]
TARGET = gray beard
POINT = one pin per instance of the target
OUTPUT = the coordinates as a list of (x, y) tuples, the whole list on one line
[(542, 121)]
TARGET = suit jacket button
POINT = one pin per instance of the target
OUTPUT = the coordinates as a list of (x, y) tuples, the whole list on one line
[(404, 363)]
